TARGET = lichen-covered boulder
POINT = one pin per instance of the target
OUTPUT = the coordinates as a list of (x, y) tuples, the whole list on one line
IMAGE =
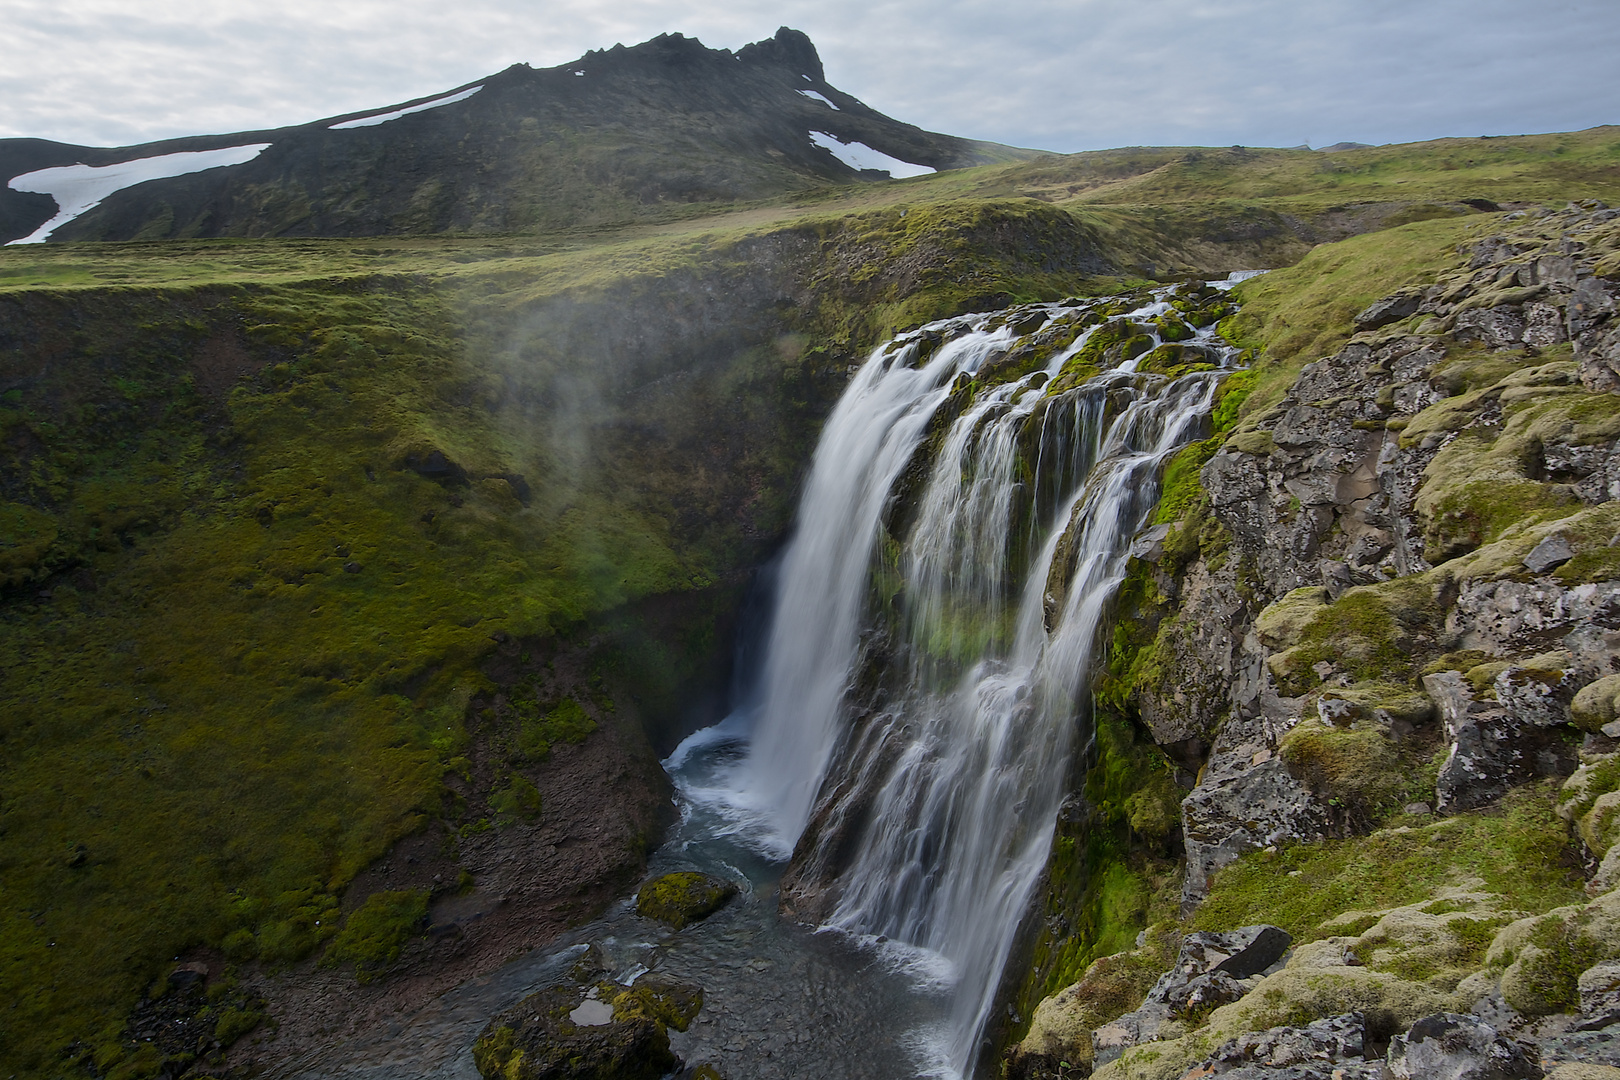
[(1211, 970), (1453, 1046), (1599, 987), (1496, 746), (683, 898), (1333, 1048), (1596, 704)]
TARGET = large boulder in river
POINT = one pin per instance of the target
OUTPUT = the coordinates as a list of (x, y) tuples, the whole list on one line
[(600, 1032), (682, 898)]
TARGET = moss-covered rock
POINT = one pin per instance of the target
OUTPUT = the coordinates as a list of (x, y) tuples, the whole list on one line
[(683, 897), (1282, 624), (572, 1032), (1171, 328), (375, 932), (1358, 767), (1060, 1032), (670, 1002), (1597, 703), (1371, 633), (1540, 958)]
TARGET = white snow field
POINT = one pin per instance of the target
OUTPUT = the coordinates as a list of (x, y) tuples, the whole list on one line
[(383, 118), (820, 98), (77, 188), (860, 156)]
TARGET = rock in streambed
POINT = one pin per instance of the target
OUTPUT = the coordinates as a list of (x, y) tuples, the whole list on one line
[(600, 1031), (683, 898)]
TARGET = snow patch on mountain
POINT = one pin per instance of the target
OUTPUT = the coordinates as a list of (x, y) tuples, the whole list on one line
[(858, 155), (77, 188), (818, 97), (383, 118)]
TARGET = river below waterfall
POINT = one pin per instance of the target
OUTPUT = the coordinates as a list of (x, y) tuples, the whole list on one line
[(781, 1001), (917, 703)]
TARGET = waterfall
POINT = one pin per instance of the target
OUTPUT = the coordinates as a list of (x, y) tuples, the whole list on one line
[(922, 698)]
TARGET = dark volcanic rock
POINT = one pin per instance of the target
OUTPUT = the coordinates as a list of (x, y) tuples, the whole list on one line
[(1550, 554), (1237, 954), (1390, 309)]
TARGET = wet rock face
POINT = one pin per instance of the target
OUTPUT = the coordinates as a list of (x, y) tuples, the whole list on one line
[(1453, 1046)]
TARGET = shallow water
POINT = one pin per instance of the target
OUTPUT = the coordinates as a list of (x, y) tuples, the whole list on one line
[(780, 1000)]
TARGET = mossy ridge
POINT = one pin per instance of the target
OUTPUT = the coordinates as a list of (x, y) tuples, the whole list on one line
[(1305, 312), (1520, 850), (1402, 178), (1372, 632), (1360, 773), (1187, 210)]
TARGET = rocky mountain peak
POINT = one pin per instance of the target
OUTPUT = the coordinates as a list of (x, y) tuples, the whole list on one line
[(788, 48)]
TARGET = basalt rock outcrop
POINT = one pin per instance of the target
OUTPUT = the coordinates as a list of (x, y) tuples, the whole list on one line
[(1394, 600), (1414, 502)]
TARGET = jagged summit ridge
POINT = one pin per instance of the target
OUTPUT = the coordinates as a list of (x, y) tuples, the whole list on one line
[(614, 136)]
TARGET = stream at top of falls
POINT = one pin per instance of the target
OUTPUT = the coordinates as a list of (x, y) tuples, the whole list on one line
[(892, 775)]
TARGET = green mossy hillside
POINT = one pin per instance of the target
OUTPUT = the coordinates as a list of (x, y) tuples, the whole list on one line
[(376, 931)]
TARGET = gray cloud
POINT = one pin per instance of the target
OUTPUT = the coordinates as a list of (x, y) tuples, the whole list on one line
[(1057, 74)]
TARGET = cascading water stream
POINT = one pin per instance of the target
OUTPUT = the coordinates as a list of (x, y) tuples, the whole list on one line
[(910, 731), (922, 695)]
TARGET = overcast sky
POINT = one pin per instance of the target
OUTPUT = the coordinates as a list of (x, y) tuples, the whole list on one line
[(1054, 74)]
